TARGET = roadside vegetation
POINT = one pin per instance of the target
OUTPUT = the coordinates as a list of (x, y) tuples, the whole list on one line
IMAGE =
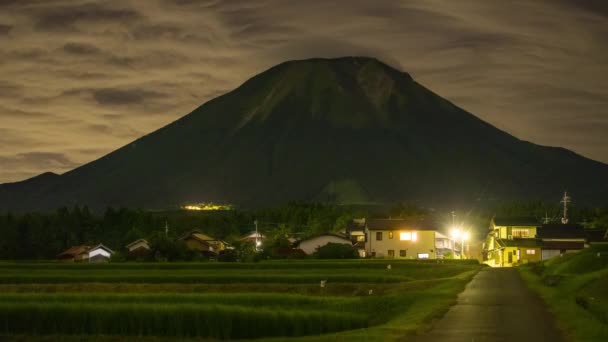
[(575, 287), (360, 299)]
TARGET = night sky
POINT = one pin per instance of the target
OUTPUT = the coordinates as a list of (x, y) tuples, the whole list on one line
[(82, 78)]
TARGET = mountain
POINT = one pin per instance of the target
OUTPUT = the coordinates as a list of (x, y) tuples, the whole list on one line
[(348, 130)]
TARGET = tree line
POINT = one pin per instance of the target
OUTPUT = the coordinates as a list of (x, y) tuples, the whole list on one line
[(32, 236)]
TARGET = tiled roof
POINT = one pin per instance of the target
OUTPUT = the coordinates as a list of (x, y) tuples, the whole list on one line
[(74, 250)]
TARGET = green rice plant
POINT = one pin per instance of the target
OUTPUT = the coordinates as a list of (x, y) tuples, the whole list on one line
[(214, 321)]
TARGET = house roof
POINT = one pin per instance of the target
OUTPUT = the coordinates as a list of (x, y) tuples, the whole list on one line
[(74, 251), (395, 224), (520, 242), (297, 243), (560, 231), (198, 235), (515, 221), (101, 246), (596, 235), (136, 242)]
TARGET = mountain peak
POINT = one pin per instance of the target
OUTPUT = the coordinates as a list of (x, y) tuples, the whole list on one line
[(347, 130)]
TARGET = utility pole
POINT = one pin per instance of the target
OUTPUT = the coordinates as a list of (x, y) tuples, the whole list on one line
[(257, 236), (546, 219), (565, 200)]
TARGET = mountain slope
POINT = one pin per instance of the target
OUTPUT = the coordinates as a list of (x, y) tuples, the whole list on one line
[(348, 130)]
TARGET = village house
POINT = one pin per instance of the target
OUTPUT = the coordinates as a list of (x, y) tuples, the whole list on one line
[(444, 246), (75, 254), (100, 254), (560, 239), (82, 253), (311, 244), (596, 236), (197, 241), (138, 248), (513, 241), (400, 238)]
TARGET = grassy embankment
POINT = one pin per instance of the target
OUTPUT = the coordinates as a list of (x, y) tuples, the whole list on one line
[(575, 288), (222, 301)]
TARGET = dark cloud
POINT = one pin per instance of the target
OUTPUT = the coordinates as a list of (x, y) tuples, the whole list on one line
[(65, 17), (5, 29), (81, 49), (38, 160), (118, 69), (124, 96)]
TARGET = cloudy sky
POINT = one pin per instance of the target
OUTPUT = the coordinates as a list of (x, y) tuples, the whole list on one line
[(82, 78)]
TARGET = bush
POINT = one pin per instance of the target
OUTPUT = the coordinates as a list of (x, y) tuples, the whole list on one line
[(337, 251)]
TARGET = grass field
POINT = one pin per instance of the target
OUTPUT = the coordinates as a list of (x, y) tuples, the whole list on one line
[(273, 299), (575, 287)]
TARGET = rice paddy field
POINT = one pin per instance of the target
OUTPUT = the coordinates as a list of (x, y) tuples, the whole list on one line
[(271, 300)]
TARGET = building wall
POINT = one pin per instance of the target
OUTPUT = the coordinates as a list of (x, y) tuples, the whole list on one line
[(424, 244), (309, 246)]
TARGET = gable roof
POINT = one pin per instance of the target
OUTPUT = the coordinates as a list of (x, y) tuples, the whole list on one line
[(515, 221), (101, 246), (560, 231), (322, 235), (136, 242), (74, 251), (395, 224)]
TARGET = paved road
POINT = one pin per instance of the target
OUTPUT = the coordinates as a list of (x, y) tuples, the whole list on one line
[(495, 306)]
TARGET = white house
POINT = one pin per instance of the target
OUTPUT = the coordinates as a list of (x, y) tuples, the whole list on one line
[(100, 253), (311, 244)]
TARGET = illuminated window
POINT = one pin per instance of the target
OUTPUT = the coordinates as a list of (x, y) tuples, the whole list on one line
[(408, 236), (360, 238), (530, 251), (423, 255), (391, 253), (378, 236), (390, 235), (520, 233)]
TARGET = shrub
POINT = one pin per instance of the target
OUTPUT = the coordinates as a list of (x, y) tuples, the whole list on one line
[(337, 251)]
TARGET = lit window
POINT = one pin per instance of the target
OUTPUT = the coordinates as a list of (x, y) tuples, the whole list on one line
[(423, 255), (390, 235), (408, 236), (360, 238), (530, 251), (520, 233)]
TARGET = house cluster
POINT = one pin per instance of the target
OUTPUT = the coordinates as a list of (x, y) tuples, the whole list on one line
[(388, 238), (514, 241), (194, 240)]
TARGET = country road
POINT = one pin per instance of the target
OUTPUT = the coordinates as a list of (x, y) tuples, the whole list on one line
[(495, 306)]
